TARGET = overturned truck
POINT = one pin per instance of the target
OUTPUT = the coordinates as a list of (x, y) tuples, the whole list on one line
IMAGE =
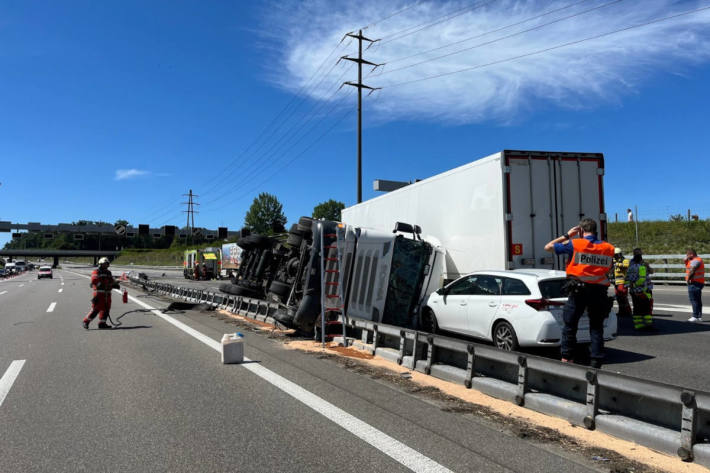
[(328, 268)]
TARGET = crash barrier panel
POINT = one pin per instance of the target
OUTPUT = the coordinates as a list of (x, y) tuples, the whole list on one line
[(664, 417), (672, 268)]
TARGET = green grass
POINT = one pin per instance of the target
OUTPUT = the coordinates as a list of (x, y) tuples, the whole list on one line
[(661, 237)]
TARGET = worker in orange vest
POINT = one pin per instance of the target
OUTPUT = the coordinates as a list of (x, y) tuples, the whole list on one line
[(589, 261), (695, 278)]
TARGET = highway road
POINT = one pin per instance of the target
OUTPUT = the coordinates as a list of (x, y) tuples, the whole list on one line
[(676, 352), (152, 395)]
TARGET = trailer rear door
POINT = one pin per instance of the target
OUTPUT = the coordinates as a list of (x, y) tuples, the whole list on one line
[(547, 194)]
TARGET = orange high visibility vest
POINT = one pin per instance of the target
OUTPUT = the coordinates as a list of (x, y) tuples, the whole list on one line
[(699, 275), (590, 262)]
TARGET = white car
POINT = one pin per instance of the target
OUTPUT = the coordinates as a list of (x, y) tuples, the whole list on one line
[(44, 272), (512, 309)]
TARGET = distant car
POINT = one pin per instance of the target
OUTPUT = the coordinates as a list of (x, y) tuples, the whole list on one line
[(44, 272), (512, 309)]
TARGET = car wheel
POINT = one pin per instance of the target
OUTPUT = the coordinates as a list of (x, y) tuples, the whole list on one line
[(504, 336), (429, 323)]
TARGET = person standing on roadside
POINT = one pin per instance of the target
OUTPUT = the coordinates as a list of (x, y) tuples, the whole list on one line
[(629, 215), (621, 266), (638, 281), (695, 278), (589, 261), (102, 283)]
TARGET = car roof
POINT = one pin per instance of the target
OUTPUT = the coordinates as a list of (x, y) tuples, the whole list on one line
[(525, 273), (45, 267)]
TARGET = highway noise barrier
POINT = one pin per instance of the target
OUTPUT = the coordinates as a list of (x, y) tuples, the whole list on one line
[(664, 417)]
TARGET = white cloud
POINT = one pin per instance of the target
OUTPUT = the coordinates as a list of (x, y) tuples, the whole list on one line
[(576, 76), (122, 174)]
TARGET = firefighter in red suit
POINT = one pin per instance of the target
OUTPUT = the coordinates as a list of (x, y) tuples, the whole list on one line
[(102, 283)]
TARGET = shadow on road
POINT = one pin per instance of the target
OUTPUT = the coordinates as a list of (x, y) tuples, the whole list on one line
[(661, 326), (615, 355)]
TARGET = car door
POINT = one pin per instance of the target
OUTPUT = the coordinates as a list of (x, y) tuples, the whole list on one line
[(452, 310), (483, 303)]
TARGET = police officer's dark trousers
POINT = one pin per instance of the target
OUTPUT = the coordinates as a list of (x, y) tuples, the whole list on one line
[(593, 298)]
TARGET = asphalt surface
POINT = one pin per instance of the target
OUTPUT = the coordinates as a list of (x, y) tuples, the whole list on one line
[(149, 397), (676, 352)]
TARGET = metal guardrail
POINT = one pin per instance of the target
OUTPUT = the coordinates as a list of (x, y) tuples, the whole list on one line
[(661, 416), (668, 263)]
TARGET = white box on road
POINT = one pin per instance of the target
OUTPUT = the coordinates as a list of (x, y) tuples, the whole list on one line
[(232, 348)]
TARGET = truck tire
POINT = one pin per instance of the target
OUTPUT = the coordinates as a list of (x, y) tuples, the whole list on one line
[(280, 289), (236, 290), (295, 230), (254, 241), (294, 240), (504, 337)]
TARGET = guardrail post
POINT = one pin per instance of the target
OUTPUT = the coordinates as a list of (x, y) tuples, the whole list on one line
[(592, 400), (402, 344), (416, 350), (365, 335), (522, 380), (689, 425), (470, 365), (431, 349)]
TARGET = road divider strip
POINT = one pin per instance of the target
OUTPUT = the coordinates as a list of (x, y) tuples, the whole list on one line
[(8, 379), (390, 446)]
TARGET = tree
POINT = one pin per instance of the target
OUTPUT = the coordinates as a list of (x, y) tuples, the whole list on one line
[(329, 210), (676, 218), (265, 216)]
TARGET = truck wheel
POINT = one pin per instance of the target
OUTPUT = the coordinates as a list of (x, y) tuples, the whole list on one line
[(429, 323), (280, 289), (294, 230), (294, 240), (504, 336)]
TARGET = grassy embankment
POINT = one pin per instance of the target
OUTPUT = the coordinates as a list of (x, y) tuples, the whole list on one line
[(661, 237)]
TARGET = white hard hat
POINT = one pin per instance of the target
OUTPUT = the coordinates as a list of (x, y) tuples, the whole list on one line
[(617, 251), (104, 260)]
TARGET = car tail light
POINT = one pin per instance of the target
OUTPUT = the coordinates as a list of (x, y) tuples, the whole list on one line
[(543, 304)]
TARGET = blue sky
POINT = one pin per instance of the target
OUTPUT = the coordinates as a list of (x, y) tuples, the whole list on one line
[(115, 109)]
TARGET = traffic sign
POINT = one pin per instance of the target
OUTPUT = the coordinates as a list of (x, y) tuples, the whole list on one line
[(120, 229)]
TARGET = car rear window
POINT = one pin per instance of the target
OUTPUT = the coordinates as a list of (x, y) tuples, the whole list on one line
[(514, 287), (552, 288), (45, 268)]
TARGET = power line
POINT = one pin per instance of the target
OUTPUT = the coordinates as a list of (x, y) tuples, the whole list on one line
[(488, 32), (288, 163), (486, 43), (442, 19), (397, 12), (540, 51), (262, 163)]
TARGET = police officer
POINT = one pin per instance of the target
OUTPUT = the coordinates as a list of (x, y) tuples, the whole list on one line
[(102, 283), (621, 266), (589, 261)]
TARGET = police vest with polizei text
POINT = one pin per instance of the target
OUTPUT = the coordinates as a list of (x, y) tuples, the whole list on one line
[(590, 262)]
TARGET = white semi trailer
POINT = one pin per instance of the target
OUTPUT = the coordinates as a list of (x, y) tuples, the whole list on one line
[(497, 212)]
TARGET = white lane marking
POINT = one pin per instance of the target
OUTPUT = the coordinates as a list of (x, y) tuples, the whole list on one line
[(60, 291), (3, 292), (390, 446), (20, 285), (8, 379), (51, 307), (679, 308)]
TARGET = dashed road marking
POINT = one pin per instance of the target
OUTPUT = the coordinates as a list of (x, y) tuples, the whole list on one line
[(8, 379), (390, 446), (60, 291), (51, 307), (3, 292), (20, 285)]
